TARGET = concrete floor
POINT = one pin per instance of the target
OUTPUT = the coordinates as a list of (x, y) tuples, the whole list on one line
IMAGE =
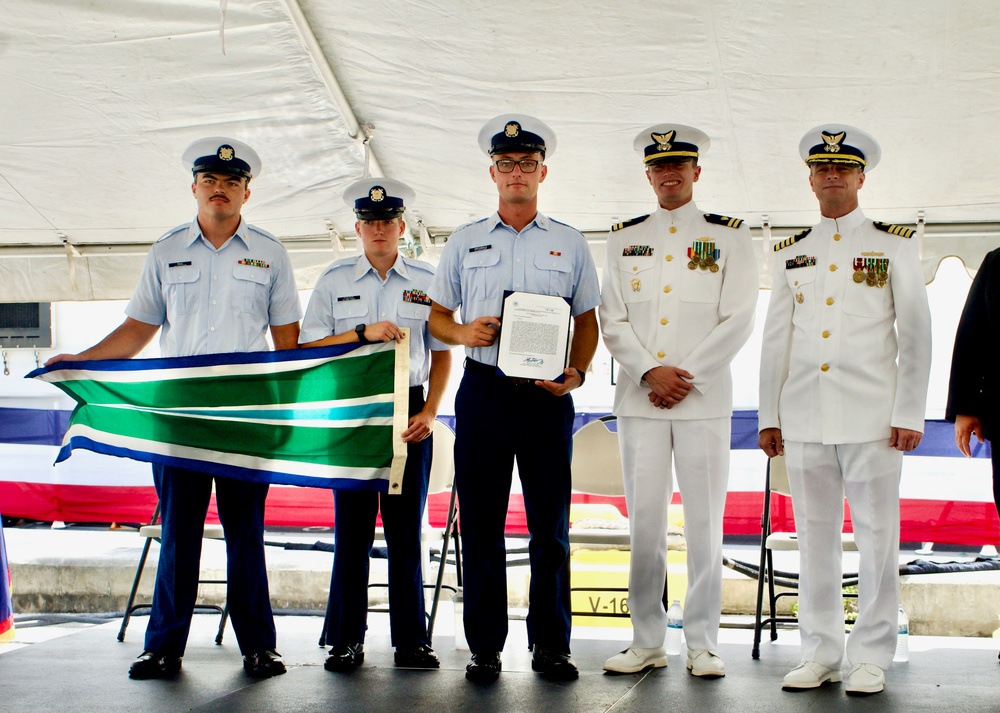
[(83, 668), (80, 569)]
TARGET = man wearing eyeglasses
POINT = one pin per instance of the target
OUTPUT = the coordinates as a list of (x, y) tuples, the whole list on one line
[(500, 418), (679, 293)]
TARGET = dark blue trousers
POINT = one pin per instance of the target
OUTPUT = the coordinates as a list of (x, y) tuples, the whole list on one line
[(354, 533), (496, 423), (184, 498)]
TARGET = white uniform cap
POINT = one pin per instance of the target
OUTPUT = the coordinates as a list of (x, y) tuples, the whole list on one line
[(840, 143), (664, 142), (378, 198), (516, 133), (219, 154)]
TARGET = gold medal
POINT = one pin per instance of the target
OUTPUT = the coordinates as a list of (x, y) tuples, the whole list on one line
[(703, 265), (713, 267), (710, 260), (692, 265), (870, 279), (859, 276)]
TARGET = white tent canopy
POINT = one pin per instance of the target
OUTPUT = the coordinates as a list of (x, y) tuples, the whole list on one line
[(100, 97)]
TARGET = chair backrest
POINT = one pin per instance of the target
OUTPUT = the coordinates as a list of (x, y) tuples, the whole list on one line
[(597, 462), (778, 476), (443, 459)]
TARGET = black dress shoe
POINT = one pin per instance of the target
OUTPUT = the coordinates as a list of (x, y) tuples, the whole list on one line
[(554, 665), (484, 668), (264, 664), (345, 658), (151, 664), (421, 656)]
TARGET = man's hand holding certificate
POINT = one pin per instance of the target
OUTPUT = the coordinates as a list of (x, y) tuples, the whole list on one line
[(534, 336)]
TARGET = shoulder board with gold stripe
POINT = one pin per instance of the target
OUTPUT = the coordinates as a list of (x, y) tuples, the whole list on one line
[(792, 240), (900, 230), (723, 220), (628, 223)]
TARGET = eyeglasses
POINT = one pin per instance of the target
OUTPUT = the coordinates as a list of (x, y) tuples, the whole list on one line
[(527, 165)]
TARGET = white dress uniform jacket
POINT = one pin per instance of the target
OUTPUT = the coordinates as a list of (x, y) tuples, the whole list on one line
[(829, 370), (656, 311)]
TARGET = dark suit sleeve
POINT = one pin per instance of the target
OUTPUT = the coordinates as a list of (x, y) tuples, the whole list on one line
[(974, 356)]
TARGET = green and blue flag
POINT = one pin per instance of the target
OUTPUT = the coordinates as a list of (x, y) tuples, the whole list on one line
[(328, 417)]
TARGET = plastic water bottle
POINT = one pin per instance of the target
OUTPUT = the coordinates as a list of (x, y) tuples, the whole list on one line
[(460, 642), (902, 637), (675, 628)]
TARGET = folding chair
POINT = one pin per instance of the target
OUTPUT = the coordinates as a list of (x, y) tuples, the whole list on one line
[(597, 470), (153, 531), (441, 479), (776, 483)]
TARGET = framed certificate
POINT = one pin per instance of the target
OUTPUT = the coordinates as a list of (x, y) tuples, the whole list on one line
[(534, 336)]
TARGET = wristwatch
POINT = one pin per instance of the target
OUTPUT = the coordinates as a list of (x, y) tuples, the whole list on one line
[(360, 331)]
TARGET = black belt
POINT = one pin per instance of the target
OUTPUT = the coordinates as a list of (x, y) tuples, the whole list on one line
[(480, 369)]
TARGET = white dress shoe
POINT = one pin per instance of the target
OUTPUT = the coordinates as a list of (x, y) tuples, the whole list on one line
[(702, 662), (865, 678), (810, 674), (633, 659)]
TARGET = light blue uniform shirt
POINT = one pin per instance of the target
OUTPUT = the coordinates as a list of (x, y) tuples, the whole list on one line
[(482, 259), (210, 301), (350, 292)]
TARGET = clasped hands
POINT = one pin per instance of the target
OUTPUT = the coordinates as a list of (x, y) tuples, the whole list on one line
[(670, 385)]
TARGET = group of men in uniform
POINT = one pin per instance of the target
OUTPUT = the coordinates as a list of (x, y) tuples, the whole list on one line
[(848, 323)]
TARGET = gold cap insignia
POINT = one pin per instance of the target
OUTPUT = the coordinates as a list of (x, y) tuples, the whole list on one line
[(663, 140), (376, 194), (226, 153), (832, 141), (512, 129)]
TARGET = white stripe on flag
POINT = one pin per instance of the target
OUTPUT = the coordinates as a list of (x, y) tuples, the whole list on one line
[(306, 470)]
